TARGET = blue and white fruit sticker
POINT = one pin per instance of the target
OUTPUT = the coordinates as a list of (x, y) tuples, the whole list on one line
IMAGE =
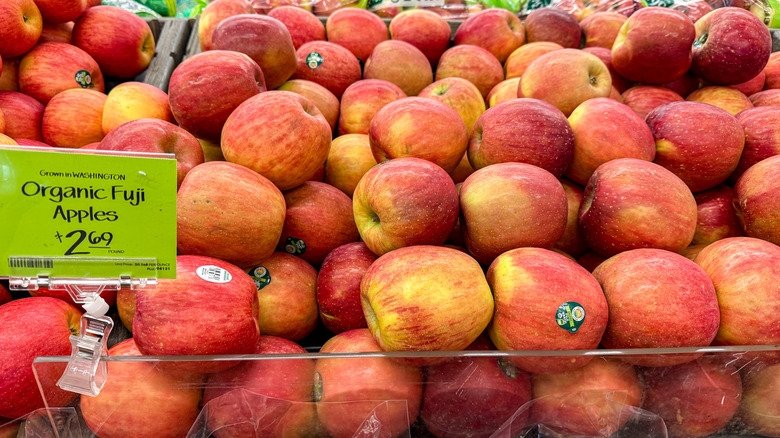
[(260, 276), (213, 274), (570, 316)]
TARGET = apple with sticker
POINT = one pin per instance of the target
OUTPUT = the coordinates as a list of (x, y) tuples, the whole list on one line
[(210, 308)]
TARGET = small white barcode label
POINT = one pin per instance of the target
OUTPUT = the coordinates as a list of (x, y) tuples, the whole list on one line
[(214, 274)]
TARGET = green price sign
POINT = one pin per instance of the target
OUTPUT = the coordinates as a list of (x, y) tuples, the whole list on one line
[(60, 205)]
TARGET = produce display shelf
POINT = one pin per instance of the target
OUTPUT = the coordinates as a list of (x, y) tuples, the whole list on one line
[(613, 410)]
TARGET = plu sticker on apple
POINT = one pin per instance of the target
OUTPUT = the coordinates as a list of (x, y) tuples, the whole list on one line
[(84, 79), (260, 276), (570, 316), (213, 274), (314, 60), (294, 246)]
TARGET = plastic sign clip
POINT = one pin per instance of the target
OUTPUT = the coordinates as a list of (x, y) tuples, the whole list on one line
[(86, 373)]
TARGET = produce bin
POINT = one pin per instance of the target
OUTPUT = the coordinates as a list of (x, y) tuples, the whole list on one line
[(723, 391), (170, 37)]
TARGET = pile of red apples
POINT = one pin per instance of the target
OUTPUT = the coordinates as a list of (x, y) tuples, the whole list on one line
[(552, 184)]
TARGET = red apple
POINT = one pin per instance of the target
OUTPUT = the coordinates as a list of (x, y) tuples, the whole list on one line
[(280, 135), (572, 242), (740, 267), (455, 393), (73, 118), (27, 142), (319, 219), (349, 158), (522, 130), (57, 33), (132, 101), (5, 296), (502, 92), (338, 287), (323, 99), (390, 215), (38, 326), (756, 201), (726, 98), (472, 63), (519, 60), (460, 95), (161, 405), (157, 136), (264, 39), (23, 115), (603, 131), (284, 388), (59, 11), (554, 25), (327, 64), (419, 127), (695, 399), (426, 298), (511, 205), (751, 86), (654, 46), (356, 29), (649, 291), (595, 400), (187, 315), (766, 98), (20, 27), (699, 143), (716, 218), (400, 63), (362, 100), (286, 295), (759, 408), (9, 76), (302, 24), (202, 107), (732, 46), (602, 28), (627, 201), (423, 29), (355, 390), (215, 214), (772, 72), (497, 30), (761, 141), (643, 99), (215, 12), (684, 85), (50, 68), (566, 78), (120, 41), (544, 301)]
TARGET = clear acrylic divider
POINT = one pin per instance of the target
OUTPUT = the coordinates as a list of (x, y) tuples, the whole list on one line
[(326, 394)]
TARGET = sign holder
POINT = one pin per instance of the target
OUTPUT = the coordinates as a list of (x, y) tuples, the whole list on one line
[(111, 212)]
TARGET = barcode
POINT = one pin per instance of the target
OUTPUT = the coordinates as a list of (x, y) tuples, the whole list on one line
[(213, 274), (31, 262)]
